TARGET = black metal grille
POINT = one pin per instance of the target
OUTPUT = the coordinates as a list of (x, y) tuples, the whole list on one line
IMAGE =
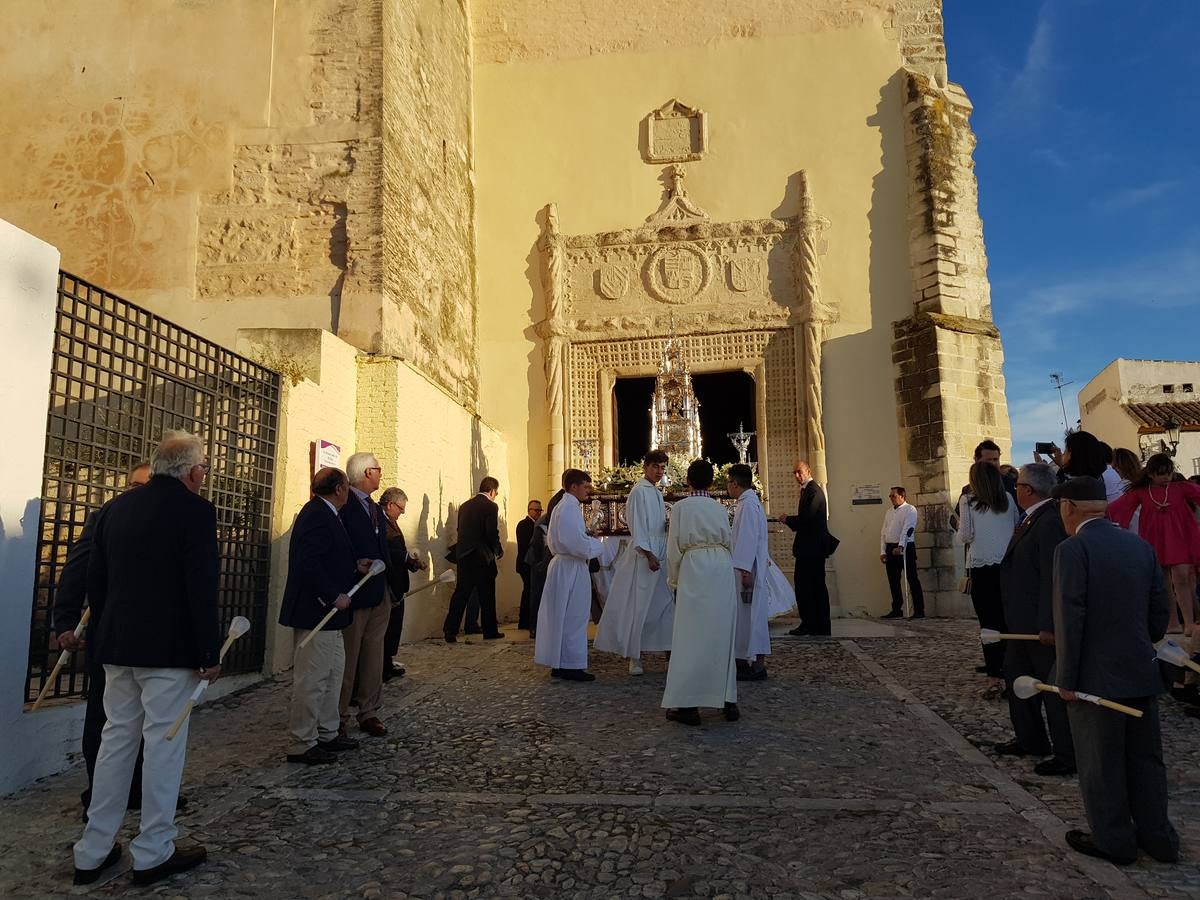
[(120, 377)]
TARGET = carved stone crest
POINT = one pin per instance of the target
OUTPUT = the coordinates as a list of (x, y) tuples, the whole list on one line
[(677, 273), (676, 133), (612, 280), (745, 273)]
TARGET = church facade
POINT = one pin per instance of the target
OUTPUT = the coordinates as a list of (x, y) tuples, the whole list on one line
[(454, 226)]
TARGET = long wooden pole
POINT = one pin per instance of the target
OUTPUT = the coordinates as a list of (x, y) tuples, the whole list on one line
[(63, 659), (333, 610), (1092, 698), (202, 686)]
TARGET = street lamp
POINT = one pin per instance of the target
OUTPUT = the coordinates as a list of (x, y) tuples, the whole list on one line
[(1172, 429)]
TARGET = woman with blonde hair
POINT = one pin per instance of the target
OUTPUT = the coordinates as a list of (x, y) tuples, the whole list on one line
[(986, 519)]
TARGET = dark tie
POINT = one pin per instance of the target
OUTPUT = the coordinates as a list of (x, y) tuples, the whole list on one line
[(374, 507)]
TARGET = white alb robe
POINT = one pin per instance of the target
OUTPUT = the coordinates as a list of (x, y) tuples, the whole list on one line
[(750, 553), (639, 612), (702, 671), (567, 597)]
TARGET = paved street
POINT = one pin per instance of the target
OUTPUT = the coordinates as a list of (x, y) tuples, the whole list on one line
[(853, 773)]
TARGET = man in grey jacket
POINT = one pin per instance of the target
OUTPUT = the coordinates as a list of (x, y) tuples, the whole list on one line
[(1110, 607)]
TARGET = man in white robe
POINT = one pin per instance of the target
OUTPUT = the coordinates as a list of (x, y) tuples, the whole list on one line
[(567, 596), (750, 558), (639, 612), (701, 671)]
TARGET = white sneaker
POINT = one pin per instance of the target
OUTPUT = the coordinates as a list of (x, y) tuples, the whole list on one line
[(635, 667)]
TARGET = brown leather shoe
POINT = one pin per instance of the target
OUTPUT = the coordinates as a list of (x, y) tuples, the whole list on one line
[(181, 860), (373, 727)]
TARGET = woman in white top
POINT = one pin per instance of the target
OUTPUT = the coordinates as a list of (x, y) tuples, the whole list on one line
[(987, 517)]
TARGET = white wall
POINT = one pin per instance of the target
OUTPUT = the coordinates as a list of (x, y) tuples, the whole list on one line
[(32, 745)]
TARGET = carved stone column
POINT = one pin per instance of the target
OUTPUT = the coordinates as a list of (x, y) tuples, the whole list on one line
[(552, 330)]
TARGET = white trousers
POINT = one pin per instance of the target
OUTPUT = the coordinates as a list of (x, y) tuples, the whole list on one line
[(316, 689), (141, 704)]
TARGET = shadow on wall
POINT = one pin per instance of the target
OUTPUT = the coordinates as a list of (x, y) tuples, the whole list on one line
[(538, 424)]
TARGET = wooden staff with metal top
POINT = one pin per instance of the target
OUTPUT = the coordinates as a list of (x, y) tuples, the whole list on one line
[(63, 659)]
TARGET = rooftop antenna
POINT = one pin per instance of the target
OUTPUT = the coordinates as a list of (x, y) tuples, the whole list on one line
[(1056, 378)]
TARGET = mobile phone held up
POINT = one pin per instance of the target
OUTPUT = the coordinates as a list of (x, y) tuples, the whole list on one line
[(1045, 447)]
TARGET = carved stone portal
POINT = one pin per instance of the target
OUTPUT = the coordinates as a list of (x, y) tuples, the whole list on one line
[(740, 296)]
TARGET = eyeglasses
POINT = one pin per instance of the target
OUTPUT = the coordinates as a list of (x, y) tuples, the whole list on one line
[(374, 469), (205, 466)]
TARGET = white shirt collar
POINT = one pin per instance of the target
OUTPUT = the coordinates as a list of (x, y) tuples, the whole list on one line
[(1038, 505), (332, 508), (1087, 522)]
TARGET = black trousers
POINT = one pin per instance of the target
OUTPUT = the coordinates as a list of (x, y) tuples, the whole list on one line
[(906, 565), (523, 615), (1122, 777), (473, 576), (985, 597), (812, 595), (391, 638), (1028, 658), (93, 726)]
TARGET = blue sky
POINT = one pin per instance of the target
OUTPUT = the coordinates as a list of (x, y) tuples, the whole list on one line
[(1088, 119)]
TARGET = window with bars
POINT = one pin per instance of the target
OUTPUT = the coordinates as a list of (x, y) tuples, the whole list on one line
[(120, 377)]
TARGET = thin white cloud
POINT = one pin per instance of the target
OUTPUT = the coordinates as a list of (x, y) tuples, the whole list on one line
[(1051, 156), (1037, 419), (1030, 90), (1127, 198)]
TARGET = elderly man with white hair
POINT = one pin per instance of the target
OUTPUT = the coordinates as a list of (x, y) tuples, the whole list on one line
[(152, 583), (362, 683)]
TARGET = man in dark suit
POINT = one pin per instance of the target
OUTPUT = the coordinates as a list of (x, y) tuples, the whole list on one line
[(812, 545), (1110, 608), (152, 585), (401, 562), (524, 536), (1027, 591), (476, 552), (362, 683), (321, 569), (65, 615)]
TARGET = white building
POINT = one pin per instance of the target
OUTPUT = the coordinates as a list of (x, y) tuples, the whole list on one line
[(1131, 403)]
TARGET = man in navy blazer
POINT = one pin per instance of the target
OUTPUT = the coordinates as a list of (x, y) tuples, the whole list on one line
[(362, 684), (321, 569)]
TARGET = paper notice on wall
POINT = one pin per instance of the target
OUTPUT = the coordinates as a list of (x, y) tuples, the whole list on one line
[(326, 453), (866, 495)]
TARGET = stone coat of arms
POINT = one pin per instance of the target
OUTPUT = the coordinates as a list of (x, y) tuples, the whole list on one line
[(745, 274), (612, 280)]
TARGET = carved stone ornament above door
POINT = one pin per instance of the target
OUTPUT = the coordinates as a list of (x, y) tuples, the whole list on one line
[(675, 133)]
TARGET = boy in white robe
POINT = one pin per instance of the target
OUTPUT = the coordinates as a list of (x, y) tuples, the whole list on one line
[(750, 558), (639, 612), (567, 596), (701, 671)]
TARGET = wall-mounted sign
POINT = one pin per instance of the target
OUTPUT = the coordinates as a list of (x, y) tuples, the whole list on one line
[(866, 495), (326, 453)]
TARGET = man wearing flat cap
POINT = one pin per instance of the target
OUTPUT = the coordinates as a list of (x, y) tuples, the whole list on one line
[(1110, 608)]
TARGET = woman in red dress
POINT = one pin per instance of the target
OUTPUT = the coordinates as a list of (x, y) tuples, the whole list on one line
[(1168, 524)]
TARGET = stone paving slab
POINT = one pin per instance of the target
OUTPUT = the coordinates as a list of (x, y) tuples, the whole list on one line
[(850, 775)]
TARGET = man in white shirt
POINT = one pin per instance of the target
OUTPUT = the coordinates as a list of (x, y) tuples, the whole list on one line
[(898, 553)]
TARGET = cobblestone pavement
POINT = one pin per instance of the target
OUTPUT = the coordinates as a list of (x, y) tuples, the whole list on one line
[(855, 772)]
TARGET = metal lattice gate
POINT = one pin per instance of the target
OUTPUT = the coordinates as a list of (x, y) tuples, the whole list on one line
[(121, 376)]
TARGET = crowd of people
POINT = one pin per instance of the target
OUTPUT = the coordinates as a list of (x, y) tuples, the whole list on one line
[(1091, 555)]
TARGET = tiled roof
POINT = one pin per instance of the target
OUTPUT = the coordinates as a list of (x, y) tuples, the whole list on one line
[(1153, 415)]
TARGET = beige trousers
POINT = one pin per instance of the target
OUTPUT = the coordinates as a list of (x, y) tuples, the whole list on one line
[(362, 685), (316, 690)]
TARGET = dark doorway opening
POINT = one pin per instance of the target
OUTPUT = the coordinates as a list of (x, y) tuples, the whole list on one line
[(726, 402)]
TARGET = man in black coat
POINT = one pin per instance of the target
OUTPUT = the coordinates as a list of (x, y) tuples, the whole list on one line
[(812, 545), (524, 536), (1027, 591), (400, 563), (65, 615), (321, 569), (152, 586), (476, 551), (362, 684), (1110, 609)]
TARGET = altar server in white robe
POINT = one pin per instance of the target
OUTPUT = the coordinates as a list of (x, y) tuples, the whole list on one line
[(699, 566), (567, 597), (750, 558), (639, 612)]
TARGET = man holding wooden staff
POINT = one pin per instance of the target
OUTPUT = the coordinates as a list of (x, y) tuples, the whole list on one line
[(68, 609), (321, 569), (152, 585), (1110, 608)]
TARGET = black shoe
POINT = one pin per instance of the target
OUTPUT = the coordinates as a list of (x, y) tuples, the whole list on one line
[(91, 876), (181, 860), (576, 675), (494, 637), (1082, 841), (471, 631), (799, 631), (687, 716), (1010, 748), (1171, 856), (556, 673), (1189, 694), (338, 744), (1053, 766), (752, 674), (894, 614), (450, 638), (916, 615), (313, 756), (732, 714)]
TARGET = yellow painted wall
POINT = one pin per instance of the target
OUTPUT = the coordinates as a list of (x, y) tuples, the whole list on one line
[(567, 131)]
